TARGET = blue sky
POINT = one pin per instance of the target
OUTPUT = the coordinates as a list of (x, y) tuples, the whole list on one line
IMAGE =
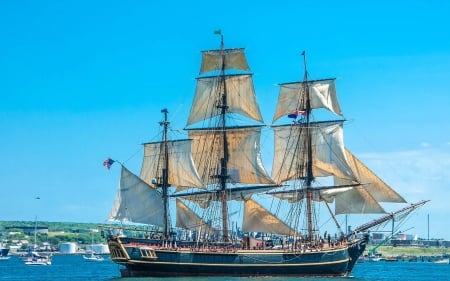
[(84, 80)]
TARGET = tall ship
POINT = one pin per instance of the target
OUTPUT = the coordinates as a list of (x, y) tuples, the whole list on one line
[(206, 205)]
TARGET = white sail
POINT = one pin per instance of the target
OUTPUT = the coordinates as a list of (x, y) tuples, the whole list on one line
[(188, 219), (258, 219), (352, 200), (136, 201), (327, 152), (241, 98), (182, 171), (244, 163), (372, 183), (347, 200), (322, 94), (216, 60)]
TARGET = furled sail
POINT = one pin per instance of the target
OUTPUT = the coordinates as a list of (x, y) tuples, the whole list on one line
[(182, 171), (296, 195), (322, 94), (258, 219), (216, 60), (244, 162), (327, 151), (188, 219), (372, 183), (240, 92), (203, 198), (136, 201)]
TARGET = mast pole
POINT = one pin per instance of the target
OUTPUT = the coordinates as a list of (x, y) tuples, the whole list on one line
[(309, 176), (165, 171), (35, 233), (224, 160)]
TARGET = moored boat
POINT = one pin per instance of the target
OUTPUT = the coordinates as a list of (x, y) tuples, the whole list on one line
[(93, 257), (442, 261), (33, 257), (37, 259), (3, 251)]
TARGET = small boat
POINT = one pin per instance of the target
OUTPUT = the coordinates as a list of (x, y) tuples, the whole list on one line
[(376, 258), (93, 257), (3, 251), (36, 259), (442, 261)]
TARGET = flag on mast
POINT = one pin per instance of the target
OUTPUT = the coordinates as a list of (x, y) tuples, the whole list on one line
[(296, 113), (108, 162)]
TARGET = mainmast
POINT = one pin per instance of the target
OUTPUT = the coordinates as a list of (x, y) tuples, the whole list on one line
[(165, 174), (309, 164), (224, 160), (225, 87)]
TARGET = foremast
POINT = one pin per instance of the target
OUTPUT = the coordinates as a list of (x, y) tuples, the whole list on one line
[(165, 174)]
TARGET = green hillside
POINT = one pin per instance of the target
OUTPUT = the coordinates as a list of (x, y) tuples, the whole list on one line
[(12, 232), (412, 251)]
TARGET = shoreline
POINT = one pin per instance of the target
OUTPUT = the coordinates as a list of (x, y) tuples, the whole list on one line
[(410, 251)]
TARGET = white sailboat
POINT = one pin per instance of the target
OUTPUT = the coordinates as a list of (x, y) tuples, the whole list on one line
[(34, 258), (93, 256)]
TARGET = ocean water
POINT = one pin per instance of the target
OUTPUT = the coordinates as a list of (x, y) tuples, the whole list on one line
[(72, 268)]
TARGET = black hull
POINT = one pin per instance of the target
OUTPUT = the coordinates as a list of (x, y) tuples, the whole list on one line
[(143, 259), (355, 250), (183, 270)]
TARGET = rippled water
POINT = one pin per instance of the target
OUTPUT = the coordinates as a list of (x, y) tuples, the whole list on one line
[(75, 268)]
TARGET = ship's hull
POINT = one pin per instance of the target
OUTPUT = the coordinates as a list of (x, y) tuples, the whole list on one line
[(142, 258)]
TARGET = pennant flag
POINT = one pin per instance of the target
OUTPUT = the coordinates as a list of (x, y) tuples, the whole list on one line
[(108, 162), (218, 32)]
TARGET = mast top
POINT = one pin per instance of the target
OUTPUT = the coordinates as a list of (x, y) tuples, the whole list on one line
[(305, 78), (219, 32)]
